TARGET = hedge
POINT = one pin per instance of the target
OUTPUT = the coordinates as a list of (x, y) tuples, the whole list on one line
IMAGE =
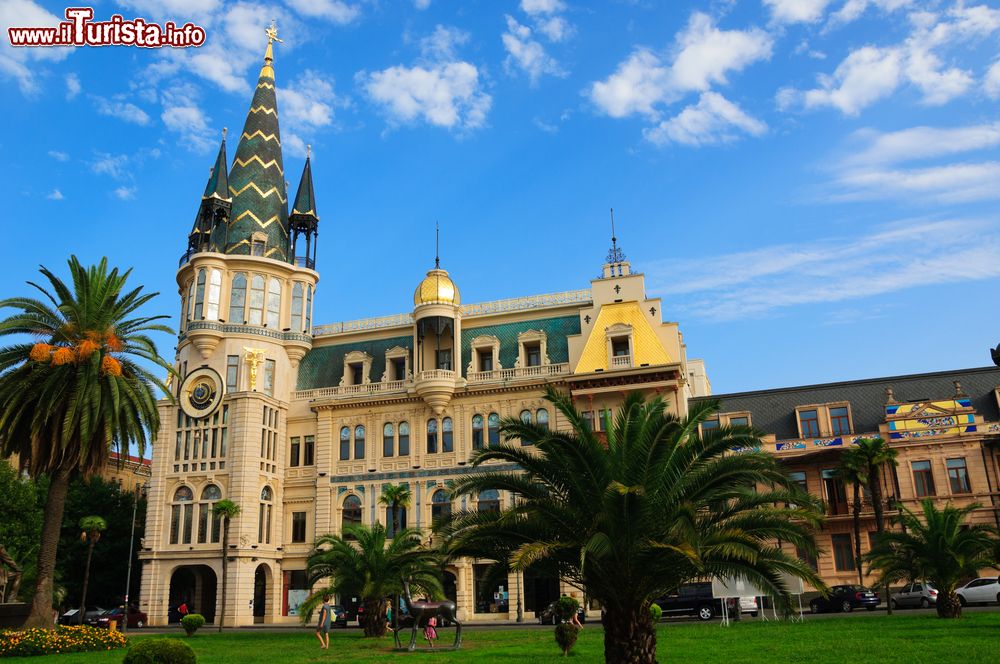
[(160, 651), (76, 638)]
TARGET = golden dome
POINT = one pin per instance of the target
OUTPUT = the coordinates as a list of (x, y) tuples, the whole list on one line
[(436, 288)]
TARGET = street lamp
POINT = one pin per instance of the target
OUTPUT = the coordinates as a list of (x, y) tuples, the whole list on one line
[(139, 487)]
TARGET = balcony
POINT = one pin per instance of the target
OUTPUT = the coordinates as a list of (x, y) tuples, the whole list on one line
[(354, 391), (621, 361), (304, 261), (435, 387), (521, 373)]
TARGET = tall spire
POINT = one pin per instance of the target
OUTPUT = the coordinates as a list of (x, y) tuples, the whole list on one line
[(437, 246), (215, 205), (259, 223), (615, 254), (303, 221)]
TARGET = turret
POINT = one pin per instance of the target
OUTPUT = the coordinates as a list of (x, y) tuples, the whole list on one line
[(303, 221), (216, 203)]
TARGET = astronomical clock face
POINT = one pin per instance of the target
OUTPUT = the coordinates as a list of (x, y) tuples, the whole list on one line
[(201, 393)]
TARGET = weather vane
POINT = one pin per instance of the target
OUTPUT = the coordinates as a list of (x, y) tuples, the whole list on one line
[(272, 33)]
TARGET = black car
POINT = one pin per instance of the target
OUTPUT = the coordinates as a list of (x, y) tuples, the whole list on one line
[(72, 616), (845, 599), (691, 599), (339, 615), (547, 616)]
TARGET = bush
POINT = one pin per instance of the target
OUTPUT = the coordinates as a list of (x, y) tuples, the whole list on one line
[(78, 638), (656, 611), (160, 651), (192, 622), (567, 607), (566, 635)]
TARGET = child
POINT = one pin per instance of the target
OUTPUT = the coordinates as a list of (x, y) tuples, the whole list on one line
[(429, 632)]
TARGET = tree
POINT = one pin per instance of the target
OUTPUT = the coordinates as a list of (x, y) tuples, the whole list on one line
[(940, 548), (395, 497), (871, 454), (78, 392), (227, 510), (92, 527), (20, 527), (851, 469), (632, 518), (361, 563)]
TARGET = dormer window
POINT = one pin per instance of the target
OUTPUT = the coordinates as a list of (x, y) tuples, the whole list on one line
[(258, 246), (619, 339), (486, 360), (619, 347), (533, 354), (357, 373), (397, 364), (357, 368), (485, 354), (399, 368)]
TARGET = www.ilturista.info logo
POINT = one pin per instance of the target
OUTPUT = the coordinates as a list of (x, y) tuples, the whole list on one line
[(79, 30)]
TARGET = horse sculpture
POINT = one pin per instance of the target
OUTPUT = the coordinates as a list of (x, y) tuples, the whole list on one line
[(421, 612)]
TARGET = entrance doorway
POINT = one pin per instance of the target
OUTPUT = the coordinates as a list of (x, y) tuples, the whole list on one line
[(194, 585), (539, 590), (261, 592)]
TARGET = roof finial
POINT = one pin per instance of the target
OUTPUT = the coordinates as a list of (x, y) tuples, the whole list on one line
[(615, 255), (225, 130), (437, 246), (272, 32), (309, 151)]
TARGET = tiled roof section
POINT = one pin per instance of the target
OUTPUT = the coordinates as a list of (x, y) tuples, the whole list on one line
[(324, 366), (773, 411), (556, 331), (646, 346)]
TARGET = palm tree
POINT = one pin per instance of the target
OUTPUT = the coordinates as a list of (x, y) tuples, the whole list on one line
[(871, 454), (939, 547), (227, 510), (78, 392), (396, 497), (359, 562), (92, 527), (851, 469), (633, 518)]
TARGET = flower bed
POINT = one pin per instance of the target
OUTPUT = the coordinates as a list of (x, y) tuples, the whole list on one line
[(22, 643)]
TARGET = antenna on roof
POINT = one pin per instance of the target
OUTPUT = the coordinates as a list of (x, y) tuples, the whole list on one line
[(615, 255), (437, 246)]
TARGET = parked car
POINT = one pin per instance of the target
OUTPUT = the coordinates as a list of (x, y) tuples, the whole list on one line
[(339, 615), (980, 591), (696, 599), (547, 616), (918, 593), (71, 617), (136, 618), (846, 599)]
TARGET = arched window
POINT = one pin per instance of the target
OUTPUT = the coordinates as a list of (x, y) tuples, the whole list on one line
[(359, 442), (542, 418), (309, 309), (264, 517), (404, 439), (238, 299), (494, 427), (181, 516), (477, 432), (345, 443), (432, 436), (489, 501), (256, 300), (447, 440), (388, 440), (214, 295), (190, 301), (297, 307), (199, 296), (209, 495), (273, 303), (351, 514), (440, 505), (526, 416)]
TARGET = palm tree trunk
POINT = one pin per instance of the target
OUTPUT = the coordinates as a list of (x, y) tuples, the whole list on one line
[(875, 486), (86, 576), (225, 570), (948, 604), (374, 619), (55, 503), (629, 636), (857, 532)]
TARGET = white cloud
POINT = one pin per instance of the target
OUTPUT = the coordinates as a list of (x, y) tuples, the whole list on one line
[(796, 11), (183, 116), (556, 28), (308, 104), (72, 86), (122, 110), (446, 94), (853, 9), (58, 156), (421, 4), (637, 86), (536, 7), (950, 183), (332, 10), (110, 164), (714, 119), (55, 195), (922, 143), (991, 84), (443, 43), (22, 64), (865, 76), (124, 193), (526, 53)]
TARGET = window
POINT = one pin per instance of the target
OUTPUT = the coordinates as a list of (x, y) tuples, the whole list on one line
[(542, 418), (742, 421), (493, 423), (238, 298), (293, 452), (357, 374), (798, 479), (359, 442), (836, 495), (232, 372), (619, 347), (273, 303), (840, 423), (807, 557), (489, 501), (432, 436), (603, 418), (404, 439), (388, 440), (298, 527), (256, 300), (526, 416), (214, 295), (843, 553), (958, 476), (588, 419), (486, 360), (257, 247), (477, 432), (352, 513), (209, 495), (308, 450), (809, 423), (264, 516), (199, 296), (923, 479), (309, 308), (708, 426), (447, 439), (190, 300), (345, 443), (399, 368), (440, 505), (181, 514), (269, 377), (533, 355), (296, 321), (443, 359)]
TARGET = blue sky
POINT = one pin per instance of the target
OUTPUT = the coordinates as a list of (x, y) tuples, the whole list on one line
[(810, 185)]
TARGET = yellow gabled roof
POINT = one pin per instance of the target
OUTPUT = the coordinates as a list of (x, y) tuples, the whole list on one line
[(646, 345)]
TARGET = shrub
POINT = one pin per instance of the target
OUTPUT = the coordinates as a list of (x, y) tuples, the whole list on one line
[(567, 607), (566, 635), (77, 638), (192, 622), (656, 611), (160, 651)]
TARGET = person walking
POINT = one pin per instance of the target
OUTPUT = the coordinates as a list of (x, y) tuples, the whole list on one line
[(324, 623), (429, 632)]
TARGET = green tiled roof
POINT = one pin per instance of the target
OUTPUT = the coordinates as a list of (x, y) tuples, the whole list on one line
[(324, 366), (556, 331)]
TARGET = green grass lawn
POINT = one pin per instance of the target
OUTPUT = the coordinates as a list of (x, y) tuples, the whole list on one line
[(900, 638)]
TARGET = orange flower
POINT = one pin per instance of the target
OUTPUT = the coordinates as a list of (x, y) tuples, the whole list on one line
[(86, 348), (110, 365), (63, 355), (40, 353), (114, 343)]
